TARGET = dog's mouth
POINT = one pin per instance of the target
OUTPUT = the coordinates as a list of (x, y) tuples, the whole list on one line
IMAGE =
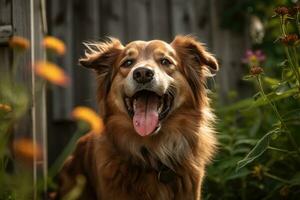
[(147, 109)]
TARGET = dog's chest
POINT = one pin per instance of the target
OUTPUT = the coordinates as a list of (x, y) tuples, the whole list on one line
[(126, 181)]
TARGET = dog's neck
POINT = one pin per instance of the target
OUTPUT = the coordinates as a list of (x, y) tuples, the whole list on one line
[(165, 174)]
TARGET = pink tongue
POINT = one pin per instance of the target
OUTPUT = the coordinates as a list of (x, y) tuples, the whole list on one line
[(145, 118)]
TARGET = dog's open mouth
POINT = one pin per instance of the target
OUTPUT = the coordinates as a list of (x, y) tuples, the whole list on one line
[(147, 109)]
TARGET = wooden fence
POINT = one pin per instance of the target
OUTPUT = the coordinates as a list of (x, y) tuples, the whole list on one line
[(26, 18)]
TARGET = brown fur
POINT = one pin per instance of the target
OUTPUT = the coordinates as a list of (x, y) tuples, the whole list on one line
[(120, 164)]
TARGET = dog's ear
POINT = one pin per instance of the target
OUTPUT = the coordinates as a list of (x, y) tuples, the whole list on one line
[(101, 56), (192, 50)]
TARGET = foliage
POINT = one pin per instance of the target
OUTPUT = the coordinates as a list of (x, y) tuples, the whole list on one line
[(259, 155), (17, 154)]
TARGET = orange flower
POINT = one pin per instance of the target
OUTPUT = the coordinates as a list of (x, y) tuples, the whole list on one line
[(26, 150), (91, 117), (5, 107), (258, 171), (54, 44), (52, 73), (19, 43)]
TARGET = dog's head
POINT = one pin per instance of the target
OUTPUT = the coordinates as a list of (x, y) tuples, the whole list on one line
[(148, 81)]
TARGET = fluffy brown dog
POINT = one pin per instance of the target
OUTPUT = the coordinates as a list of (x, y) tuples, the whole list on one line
[(158, 135)]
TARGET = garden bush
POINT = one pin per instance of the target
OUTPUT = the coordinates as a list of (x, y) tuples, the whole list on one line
[(259, 154)]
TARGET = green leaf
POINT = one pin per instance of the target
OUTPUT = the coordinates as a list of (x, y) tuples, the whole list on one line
[(296, 179), (249, 103), (245, 141), (283, 63), (257, 151), (241, 151), (282, 88), (228, 163), (242, 173), (270, 81), (248, 77), (256, 96)]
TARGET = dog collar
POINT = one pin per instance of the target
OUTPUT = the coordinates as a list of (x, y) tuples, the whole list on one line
[(164, 173)]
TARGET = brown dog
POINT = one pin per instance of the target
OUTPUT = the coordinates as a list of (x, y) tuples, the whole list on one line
[(158, 135)]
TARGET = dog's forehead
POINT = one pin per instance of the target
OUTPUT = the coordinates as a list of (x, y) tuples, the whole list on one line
[(149, 46)]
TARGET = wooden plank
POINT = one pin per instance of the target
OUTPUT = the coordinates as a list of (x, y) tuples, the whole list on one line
[(181, 21), (161, 20), (5, 33), (113, 16), (5, 55), (61, 23), (202, 21), (85, 14), (229, 47), (39, 110), (5, 12), (137, 20), (27, 23), (21, 10)]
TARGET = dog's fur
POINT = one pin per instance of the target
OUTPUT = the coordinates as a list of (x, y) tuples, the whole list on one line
[(121, 164)]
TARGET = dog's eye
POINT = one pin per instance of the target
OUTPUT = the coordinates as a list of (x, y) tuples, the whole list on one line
[(165, 62), (127, 63)]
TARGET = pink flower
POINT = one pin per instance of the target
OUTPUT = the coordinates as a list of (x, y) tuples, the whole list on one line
[(254, 57)]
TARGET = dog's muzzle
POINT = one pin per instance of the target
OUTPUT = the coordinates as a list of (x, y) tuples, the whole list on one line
[(143, 75), (150, 101)]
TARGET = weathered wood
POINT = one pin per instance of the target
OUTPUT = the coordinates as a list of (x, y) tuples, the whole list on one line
[(61, 15), (229, 48), (39, 110), (202, 21), (137, 20), (27, 23), (114, 19), (84, 89), (21, 10), (5, 12), (181, 20), (5, 33), (160, 25)]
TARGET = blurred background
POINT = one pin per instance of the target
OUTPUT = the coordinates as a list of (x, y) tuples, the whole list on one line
[(255, 93)]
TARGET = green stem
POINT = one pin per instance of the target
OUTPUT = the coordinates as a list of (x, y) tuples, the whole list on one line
[(298, 22), (290, 60), (67, 150), (14, 66), (292, 140), (282, 26), (296, 63), (280, 150), (292, 65), (296, 56), (276, 178)]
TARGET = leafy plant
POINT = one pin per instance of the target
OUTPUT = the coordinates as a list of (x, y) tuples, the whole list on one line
[(259, 153)]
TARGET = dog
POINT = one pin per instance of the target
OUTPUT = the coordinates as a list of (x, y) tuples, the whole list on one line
[(159, 135)]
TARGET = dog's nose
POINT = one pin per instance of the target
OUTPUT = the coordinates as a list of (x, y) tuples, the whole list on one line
[(143, 75)]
